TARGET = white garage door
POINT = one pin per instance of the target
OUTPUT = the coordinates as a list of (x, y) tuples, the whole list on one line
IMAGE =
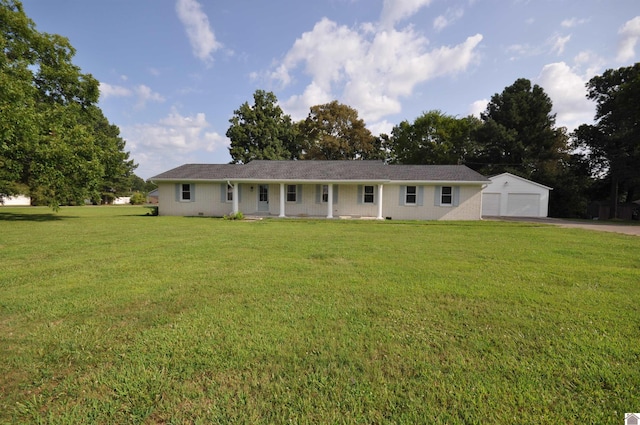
[(491, 204), (523, 204)]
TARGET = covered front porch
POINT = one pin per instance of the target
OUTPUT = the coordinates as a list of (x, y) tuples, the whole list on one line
[(310, 199)]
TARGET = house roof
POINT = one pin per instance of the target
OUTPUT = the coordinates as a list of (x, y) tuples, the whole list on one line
[(520, 178), (321, 171)]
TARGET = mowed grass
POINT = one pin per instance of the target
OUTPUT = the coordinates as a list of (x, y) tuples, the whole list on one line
[(109, 316)]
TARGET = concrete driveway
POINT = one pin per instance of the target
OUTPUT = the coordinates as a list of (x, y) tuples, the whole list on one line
[(627, 229)]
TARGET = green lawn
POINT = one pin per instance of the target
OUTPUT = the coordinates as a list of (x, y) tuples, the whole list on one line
[(110, 316)]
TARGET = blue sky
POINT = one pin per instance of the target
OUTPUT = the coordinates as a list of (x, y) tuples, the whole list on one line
[(173, 71)]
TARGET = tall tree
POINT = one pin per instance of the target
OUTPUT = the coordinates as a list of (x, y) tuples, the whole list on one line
[(334, 131), (519, 135), (48, 143), (433, 138), (261, 131), (612, 144)]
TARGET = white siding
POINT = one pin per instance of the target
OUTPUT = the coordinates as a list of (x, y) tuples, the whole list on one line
[(491, 204), (515, 197), (208, 201), (523, 204), (468, 207), (18, 200), (123, 200)]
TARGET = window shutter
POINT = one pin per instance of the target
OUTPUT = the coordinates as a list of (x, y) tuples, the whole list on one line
[(298, 194), (375, 194), (360, 189), (456, 195), (403, 195), (335, 193), (239, 192), (223, 193), (178, 188), (436, 198), (192, 190), (420, 199), (318, 193)]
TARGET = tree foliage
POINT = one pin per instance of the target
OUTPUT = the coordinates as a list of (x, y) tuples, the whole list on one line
[(333, 131), (433, 138), (519, 135), (54, 140), (612, 144), (261, 131)]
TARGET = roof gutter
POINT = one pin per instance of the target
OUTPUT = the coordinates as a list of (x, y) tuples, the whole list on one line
[(326, 181)]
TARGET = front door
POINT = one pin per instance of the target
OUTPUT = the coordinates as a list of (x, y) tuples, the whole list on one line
[(263, 197)]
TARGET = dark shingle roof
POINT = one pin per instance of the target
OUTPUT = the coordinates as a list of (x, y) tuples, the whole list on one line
[(434, 172), (321, 171)]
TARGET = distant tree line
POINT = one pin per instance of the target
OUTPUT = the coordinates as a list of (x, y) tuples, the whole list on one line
[(517, 133)]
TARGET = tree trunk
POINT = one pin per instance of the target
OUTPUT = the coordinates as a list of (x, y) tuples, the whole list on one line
[(613, 205)]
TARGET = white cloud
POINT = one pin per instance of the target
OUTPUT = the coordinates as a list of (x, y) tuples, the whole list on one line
[(145, 94), (630, 33), (554, 44), (557, 43), (394, 11), (196, 23), (367, 70), (298, 106), (567, 91), (443, 21), (108, 90), (573, 22), (381, 127), (590, 62), (440, 23), (477, 107), (518, 51), (173, 140)]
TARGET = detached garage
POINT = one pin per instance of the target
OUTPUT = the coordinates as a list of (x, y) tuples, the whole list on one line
[(511, 196)]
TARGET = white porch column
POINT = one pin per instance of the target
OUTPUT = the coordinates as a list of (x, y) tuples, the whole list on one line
[(235, 198), (379, 202), (282, 198), (329, 201)]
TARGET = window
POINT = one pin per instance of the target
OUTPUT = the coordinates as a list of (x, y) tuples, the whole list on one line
[(291, 193), (325, 193), (446, 196), (185, 193), (410, 196), (229, 193), (368, 195), (263, 193)]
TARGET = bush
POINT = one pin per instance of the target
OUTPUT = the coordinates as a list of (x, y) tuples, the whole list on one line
[(236, 216), (138, 199)]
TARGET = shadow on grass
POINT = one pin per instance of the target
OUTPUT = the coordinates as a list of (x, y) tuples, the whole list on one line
[(14, 216)]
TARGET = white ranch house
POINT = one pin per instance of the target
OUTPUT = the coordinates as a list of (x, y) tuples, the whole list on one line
[(330, 189)]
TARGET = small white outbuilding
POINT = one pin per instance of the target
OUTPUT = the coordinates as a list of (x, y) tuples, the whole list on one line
[(511, 196), (15, 201)]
